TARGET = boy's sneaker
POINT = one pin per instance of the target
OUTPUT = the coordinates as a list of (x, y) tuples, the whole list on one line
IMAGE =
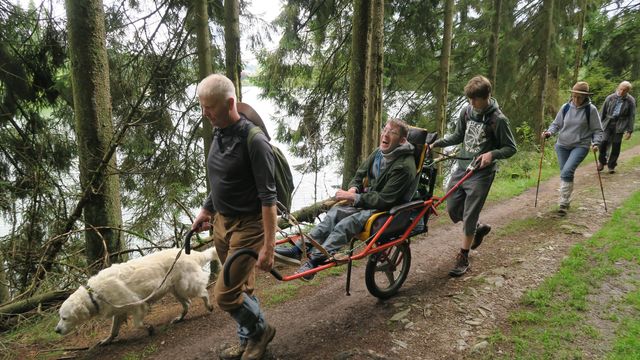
[(612, 171), (461, 267), (481, 231), (308, 265), (600, 166), (288, 254), (257, 347), (233, 352)]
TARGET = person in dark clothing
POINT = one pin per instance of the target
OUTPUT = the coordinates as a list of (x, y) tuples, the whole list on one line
[(242, 207), (486, 136), (618, 115), (383, 180)]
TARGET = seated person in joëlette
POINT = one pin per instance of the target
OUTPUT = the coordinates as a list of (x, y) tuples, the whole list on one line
[(388, 173)]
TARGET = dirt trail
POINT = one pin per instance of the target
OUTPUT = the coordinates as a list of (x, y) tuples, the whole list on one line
[(432, 317)]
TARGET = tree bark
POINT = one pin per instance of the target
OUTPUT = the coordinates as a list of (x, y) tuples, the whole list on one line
[(375, 70), (94, 128), (205, 66), (547, 11), (578, 61), (4, 284), (357, 91), (232, 44), (494, 42), (445, 55)]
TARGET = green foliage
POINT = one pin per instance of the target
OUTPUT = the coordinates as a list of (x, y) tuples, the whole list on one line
[(33, 331), (37, 148)]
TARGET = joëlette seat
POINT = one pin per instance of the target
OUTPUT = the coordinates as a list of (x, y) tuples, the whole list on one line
[(422, 190)]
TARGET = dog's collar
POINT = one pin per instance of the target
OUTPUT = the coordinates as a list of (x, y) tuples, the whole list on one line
[(90, 291)]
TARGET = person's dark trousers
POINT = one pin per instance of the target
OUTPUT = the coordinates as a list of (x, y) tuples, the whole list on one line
[(613, 139)]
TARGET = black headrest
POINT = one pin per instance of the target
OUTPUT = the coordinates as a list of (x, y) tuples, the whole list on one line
[(417, 136)]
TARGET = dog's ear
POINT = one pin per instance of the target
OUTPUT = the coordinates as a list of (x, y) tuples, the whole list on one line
[(77, 308)]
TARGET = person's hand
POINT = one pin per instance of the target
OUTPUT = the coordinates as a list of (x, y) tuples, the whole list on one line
[(201, 222), (627, 135), (594, 147), (353, 189), (265, 259), (346, 195), (484, 160), (546, 135)]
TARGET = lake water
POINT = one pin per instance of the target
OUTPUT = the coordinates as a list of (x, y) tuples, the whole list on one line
[(327, 179)]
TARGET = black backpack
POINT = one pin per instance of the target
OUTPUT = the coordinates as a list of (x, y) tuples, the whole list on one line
[(282, 171)]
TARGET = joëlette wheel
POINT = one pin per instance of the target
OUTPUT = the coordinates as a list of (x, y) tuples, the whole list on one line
[(387, 270)]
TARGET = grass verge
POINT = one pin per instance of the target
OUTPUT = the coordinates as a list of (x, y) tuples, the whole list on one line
[(591, 307)]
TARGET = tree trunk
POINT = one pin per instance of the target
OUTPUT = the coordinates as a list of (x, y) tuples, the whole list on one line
[(494, 42), (94, 128), (445, 55), (205, 67), (4, 283), (232, 43), (357, 92), (374, 80), (547, 11), (578, 62)]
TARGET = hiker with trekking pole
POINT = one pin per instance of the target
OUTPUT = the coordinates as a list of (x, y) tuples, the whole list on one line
[(579, 130)]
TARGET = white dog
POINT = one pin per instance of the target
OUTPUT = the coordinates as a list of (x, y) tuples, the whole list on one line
[(120, 290)]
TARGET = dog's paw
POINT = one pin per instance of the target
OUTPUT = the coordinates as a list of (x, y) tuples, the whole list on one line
[(210, 308), (150, 330)]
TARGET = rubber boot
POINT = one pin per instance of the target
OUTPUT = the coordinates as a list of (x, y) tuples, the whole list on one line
[(250, 319), (566, 188)]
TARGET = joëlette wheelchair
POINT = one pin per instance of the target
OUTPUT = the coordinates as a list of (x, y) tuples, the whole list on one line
[(386, 235)]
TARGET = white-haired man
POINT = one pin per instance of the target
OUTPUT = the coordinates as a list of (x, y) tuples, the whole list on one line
[(242, 207)]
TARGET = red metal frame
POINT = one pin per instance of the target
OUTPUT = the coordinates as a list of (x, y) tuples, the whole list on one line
[(372, 247)]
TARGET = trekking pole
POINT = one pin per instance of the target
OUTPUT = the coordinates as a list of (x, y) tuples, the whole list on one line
[(600, 180), (544, 138)]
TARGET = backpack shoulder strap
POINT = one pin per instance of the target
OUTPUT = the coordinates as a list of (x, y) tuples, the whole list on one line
[(565, 109), (587, 109), (253, 131)]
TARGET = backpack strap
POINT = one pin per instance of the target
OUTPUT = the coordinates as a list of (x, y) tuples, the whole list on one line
[(565, 110), (252, 134)]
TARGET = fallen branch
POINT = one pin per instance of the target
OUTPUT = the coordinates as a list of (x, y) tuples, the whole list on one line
[(9, 312), (308, 214)]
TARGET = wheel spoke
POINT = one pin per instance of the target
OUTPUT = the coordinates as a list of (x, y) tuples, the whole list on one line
[(390, 277)]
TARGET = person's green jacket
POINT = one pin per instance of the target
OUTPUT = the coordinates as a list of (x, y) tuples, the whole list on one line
[(393, 187)]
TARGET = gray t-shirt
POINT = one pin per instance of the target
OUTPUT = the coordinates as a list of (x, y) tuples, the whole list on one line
[(241, 182)]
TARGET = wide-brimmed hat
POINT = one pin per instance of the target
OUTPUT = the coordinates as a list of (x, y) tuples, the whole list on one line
[(581, 87)]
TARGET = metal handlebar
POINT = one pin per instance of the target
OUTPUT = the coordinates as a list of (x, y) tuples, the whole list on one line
[(227, 265)]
